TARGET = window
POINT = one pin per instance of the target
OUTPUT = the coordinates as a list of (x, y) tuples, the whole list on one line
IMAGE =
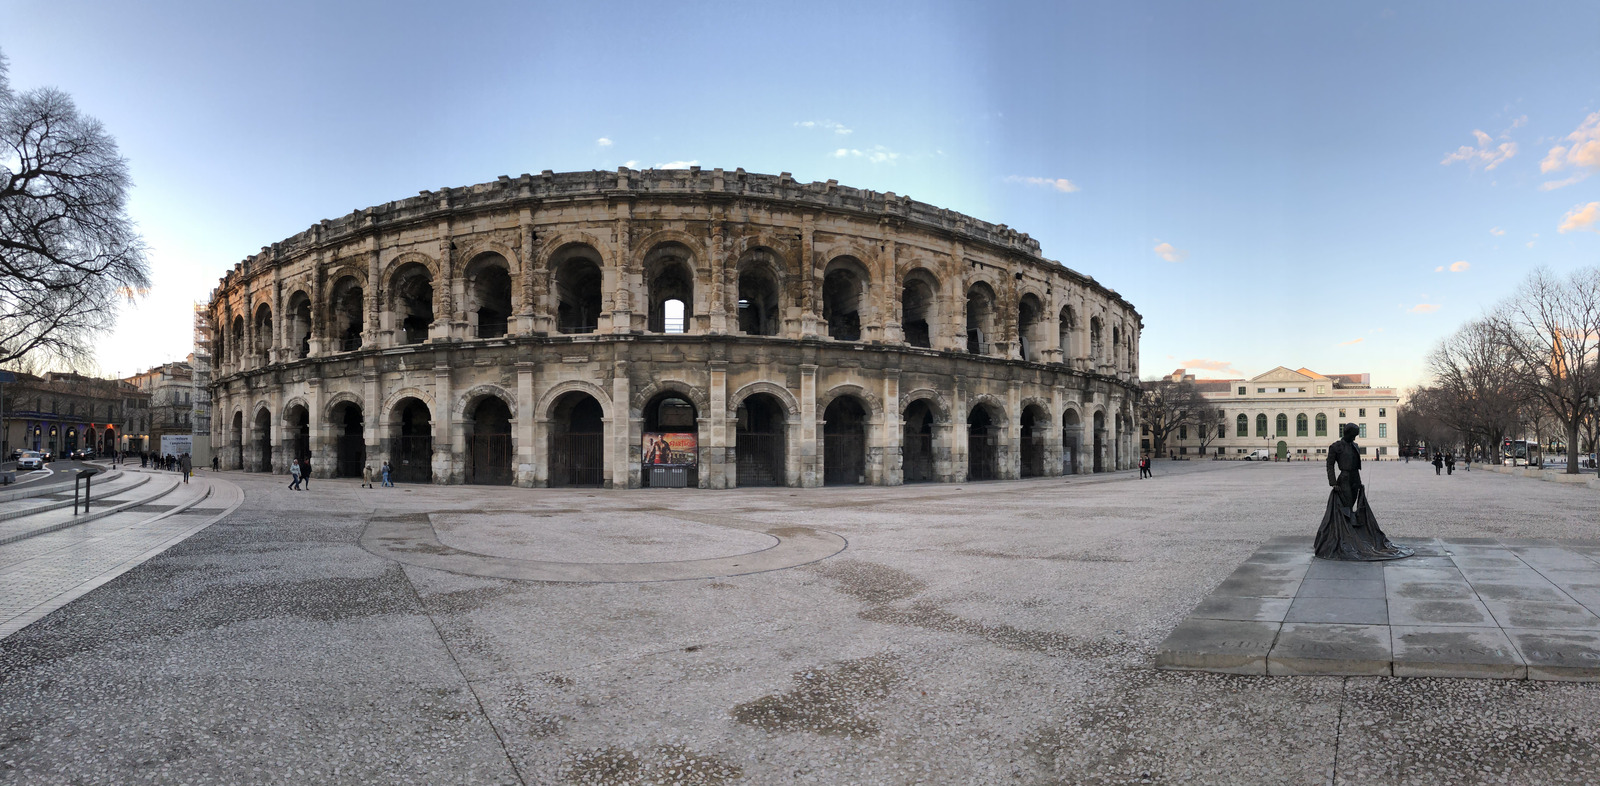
[(1321, 389), (1144, 429), (1363, 431), (1183, 432), (1300, 425), (1243, 426), (1383, 431), (1242, 389), (1283, 425), (1383, 412), (1361, 413), (1341, 413), (1322, 424), (1283, 390), (1261, 390), (1261, 425)]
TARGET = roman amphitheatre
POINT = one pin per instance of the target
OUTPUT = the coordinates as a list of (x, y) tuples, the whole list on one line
[(700, 328)]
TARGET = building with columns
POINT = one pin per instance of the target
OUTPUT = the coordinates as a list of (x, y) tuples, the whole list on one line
[(1293, 413), (662, 327)]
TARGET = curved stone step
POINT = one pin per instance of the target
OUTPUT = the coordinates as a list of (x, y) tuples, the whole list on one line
[(45, 523)]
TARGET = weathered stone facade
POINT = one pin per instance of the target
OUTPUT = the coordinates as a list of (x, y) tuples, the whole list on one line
[(533, 330)]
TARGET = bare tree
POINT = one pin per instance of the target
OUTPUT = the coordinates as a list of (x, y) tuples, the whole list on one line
[(1476, 388), (1551, 329), (1166, 406), (1210, 430), (68, 251)]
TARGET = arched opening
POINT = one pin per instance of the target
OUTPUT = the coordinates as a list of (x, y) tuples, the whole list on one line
[(983, 443), (844, 442), (980, 318), (349, 441), (348, 314), (759, 441), (219, 343), (1071, 443), (238, 339), (1301, 425), (1261, 425), (489, 443), (489, 295), (1322, 424), (1282, 422), (90, 438), (1283, 450), (1030, 328), (670, 274), (297, 422), (577, 290), (1242, 425), (758, 303), (1096, 350), (298, 328), (1034, 424), (1067, 326), (413, 303), (411, 439), (577, 441), (843, 295), (71, 438), (917, 308), (1116, 346), (236, 439), (671, 457), (916, 451), (263, 325), (263, 435), (1099, 441), (108, 440)]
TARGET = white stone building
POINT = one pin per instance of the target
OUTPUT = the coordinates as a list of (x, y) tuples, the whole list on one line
[(1292, 413)]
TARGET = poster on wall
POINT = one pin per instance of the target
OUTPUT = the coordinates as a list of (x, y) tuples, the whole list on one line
[(669, 450), (177, 444)]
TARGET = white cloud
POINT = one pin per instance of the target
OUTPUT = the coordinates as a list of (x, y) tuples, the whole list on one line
[(1439, 269), (1061, 184), (1459, 267), (677, 164), (1520, 122), (1424, 308), (877, 154), (630, 163), (1485, 155), (1497, 231), (1351, 341), (1581, 151), (826, 125), (1583, 218), (604, 142), (1167, 252)]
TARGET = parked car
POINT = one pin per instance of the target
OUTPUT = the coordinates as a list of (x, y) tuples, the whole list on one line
[(83, 455), (1261, 454), (30, 460)]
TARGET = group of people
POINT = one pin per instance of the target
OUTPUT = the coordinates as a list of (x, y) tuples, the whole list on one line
[(181, 463), (300, 475), (1447, 462)]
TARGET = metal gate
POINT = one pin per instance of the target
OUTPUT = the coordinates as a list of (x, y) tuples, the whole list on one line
[(264, 454), (917, 458), (352, 452), (1032, 454), (577, 460), (844, 458), (980, 456), (489, 459), (413, 459), (760, 458)]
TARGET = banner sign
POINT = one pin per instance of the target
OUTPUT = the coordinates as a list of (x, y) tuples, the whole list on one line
[(670, 450), (177, 444)]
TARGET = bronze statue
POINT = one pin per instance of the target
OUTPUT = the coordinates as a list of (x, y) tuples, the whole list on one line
[(1349, 530)]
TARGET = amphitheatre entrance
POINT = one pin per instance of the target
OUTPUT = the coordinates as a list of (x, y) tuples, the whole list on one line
[(412, 442), (349, 445), (844, 442), (577, 441), (489, 443), (759, 441), (917, 450)]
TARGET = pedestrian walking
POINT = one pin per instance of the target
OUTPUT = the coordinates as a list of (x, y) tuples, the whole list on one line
[(1467, 459), (387, 470), (1438, 463), (214, 463), (294, 475), (1450, 463), (305, 472), (366, 476), (187, 465)]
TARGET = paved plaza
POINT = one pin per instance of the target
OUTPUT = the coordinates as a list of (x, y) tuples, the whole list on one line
[(1002, 632)]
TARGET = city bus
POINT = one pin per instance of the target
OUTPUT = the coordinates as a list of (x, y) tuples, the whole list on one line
[(1521, 452)]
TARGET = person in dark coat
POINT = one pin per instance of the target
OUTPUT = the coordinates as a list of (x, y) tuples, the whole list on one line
[(1349, 530), (1449, 463), (1438, 463)]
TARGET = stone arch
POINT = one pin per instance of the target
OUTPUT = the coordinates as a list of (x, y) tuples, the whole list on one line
[(459, 410), (471, 250), (386, 271), (773, 389), (297, 401), (342, 397), (696, 396), (393, 400), (562, 246), (761, 279), (491, 294), (643, 246), (993, 402), (936, 402), (1044, 406), (671, 269), (873, 402), (554, 394), (753, 239), (345, 266)]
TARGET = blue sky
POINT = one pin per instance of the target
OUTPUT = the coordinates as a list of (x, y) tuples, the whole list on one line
[(1268, 183)]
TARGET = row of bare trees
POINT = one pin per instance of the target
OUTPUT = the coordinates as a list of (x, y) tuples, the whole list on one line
[(1530, 366), (1167, 406)]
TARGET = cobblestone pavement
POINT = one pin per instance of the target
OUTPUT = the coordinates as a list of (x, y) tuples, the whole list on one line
[(981, 633)]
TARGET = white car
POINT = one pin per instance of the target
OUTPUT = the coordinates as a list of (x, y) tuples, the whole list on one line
[(31, 459), (1259, 455)]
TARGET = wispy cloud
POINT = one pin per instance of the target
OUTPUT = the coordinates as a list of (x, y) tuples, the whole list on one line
[(604, 142), (877, 154), (677, 164), (1455, 267), (1535, 239), (1061, 184), (1212, 367), (1497, 231), (1424, 308), (1351, 341), (826, 125), (631, 163), (1168, 252), (1486, 154), (1583, 218), (1580, 150)]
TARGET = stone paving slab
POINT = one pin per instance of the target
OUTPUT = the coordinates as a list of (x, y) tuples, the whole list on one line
[(1463, 607)]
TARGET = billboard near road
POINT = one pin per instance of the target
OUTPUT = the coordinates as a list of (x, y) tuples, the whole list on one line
[(177, 444)]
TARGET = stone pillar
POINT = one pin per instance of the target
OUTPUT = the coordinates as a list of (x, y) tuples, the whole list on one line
[(374, 422), (371, 296), (321, 456), (718, 462), (443, 303), (1011, 468), (621, 271), (716, 299), (959, 444), (446, 468), (1055, 446), (278, 351), (893, 432), (622, 443), (811, 308), (522, 425), (810, 460)]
